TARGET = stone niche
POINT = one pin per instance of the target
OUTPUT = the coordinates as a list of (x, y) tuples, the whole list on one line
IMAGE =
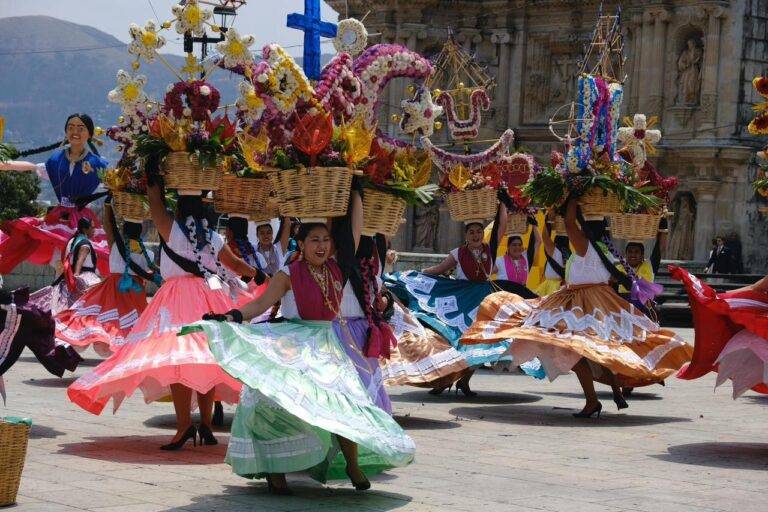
[(684, 78)]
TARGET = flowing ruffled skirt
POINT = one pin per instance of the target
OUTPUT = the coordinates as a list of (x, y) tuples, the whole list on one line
[(102, 317), (731, 335), (58, 297), (422, 357), (25, 325), (589, 321), (449, 307), (153, 356), (41, 241), (301, 391), (353, 335)]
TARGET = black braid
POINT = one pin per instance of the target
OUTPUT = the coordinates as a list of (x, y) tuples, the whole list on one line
[(41, 149), (620, 277)]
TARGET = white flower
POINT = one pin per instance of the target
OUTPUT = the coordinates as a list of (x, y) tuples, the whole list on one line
[(129, 92), (235, 49), (205, 90), (262, 78), (351, 37), (187, 112), (190, 17), (250, 103), (145, 41)]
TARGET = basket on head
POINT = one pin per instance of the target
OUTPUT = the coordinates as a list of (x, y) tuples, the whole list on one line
[(245, 196), (13, 451), (382, 213), (183, 172), (270, 211), (472, 204), (318, 192), (130, 207), (634, 226), (517, 224), (597, 203), (560, 226)]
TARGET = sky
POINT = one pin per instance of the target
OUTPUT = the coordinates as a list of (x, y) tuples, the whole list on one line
[(265, 19)]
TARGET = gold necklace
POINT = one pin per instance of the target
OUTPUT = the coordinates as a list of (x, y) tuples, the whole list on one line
[(322, 278)]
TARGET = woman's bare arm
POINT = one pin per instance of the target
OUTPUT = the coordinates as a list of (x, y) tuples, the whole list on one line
[(277, 288), (575, 235), (448, 264), (107, 221), (82, 253), (160, 216), (238, 265)]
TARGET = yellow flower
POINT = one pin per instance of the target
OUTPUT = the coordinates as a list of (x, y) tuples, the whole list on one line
[(358, 139)]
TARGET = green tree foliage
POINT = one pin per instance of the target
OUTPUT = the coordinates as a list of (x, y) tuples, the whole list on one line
[(18, 195)]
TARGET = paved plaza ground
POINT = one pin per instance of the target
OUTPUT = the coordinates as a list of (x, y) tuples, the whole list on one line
[(515, 447)]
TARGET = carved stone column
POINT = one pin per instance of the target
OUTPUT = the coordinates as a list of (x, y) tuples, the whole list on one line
[(514, 90), (656, 79), (709, 70), (635, 28), (646, 63), (706, 194), (503, 39)]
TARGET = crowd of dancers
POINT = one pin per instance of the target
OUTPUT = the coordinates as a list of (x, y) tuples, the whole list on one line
[(304, 328)]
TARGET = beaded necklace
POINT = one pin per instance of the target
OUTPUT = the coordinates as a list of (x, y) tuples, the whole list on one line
[(322, 278)]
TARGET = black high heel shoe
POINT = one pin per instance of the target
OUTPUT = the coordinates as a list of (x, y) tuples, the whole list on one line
[(190, 433), (463, 386), (588, 414), (218, 415), (278, 491), (620, 402), (206, 436), (439, 391), (362, 485)]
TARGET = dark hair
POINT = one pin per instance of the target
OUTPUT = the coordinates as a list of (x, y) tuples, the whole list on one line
[(562, 243), (188, 206), (85, 118), (468, 226), (305, 229), (83, 223), (514, 237), (239, 227), (263, 225), (637, 245), (132, 230), (595, 230)]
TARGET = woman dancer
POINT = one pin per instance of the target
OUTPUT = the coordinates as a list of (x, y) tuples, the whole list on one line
[(515, 264), (731, 333), (106, 313), (153, 358), (557, 253), (585, 327), (73, 172), (273, 433), (273, 250), (241, 246)]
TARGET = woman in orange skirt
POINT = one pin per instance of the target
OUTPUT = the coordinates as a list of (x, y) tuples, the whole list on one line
[(585, 326)]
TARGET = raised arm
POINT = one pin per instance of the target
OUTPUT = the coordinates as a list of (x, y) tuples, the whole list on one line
[(160, 216), (546, 239), (575, 235), (238, 265), (357, 217), (277, 288), (107, 221), (448, 264), (534, 242)]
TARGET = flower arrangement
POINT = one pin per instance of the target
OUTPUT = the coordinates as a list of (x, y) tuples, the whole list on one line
[(759, 125), (124, 178)]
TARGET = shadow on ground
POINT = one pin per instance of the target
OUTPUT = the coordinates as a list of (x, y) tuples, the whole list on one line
[(752, 456), (307, 495), (42, 432), (415, 423), (145, 450), (168, 422), (605, 396), (483, 397), (559, 417), (84, 363), (54, 382)]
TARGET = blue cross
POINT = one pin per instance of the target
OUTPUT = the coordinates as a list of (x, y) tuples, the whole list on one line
[(314, 27)]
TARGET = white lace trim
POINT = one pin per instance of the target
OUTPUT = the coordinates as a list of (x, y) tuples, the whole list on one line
[(420, 286), (10, 328), (423, 367), (604, 325)]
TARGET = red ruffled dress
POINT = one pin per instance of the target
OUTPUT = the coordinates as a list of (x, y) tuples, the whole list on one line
[(731, 335), (41, 241), (154, 356)]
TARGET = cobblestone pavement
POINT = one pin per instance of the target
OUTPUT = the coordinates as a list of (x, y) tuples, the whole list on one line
[(515, 447)]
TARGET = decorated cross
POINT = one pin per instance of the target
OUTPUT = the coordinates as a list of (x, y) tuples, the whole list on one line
[(637, 137), (313, 27)]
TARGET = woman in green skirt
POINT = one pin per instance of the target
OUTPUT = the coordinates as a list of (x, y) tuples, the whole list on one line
[(303, 406)]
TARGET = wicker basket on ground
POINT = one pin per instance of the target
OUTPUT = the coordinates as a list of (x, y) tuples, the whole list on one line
[(244, 196), (517, 224), (634, 226), (382, 213), (183, 172), (597, 203), (130, 207), (468, 205), (321, 192), (13, 451)]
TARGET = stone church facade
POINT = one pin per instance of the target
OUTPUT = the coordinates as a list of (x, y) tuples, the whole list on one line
[(689, 63)]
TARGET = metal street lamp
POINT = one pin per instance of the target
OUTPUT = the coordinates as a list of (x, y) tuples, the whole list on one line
[(226, 10)]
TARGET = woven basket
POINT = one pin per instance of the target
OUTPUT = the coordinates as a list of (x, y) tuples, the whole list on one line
[(130, 207), (183, 172), (634, 226), (13, 451), (382, 213), (247, 196), (270, 211), (597, 203), (472, 204), (517, 224), (321, 192), (560, 225)]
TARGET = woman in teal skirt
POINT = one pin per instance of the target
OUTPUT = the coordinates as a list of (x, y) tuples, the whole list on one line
[(303, 406)]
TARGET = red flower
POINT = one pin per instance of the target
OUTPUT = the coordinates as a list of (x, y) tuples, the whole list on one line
[(492, 175), (312, 134), (761, 85), (379, 169), (221, 129)]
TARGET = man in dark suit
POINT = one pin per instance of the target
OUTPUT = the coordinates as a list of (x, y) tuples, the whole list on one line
[(720, 259)]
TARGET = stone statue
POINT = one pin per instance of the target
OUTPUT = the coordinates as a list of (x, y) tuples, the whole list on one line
[(425, 221), (683, 225), (689, 74)]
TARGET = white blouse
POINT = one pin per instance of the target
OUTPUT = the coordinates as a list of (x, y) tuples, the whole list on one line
[(182, 246), (549, 272), (587, 270), (501, 268), (350, 307), (117, 264)]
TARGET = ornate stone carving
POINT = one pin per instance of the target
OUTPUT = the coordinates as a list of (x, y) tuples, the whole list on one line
[(425, 222), (681, 237), (708, 105), (564, 70), (689, 73)]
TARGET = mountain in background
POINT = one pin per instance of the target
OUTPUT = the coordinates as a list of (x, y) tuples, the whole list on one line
[(40, 88)]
